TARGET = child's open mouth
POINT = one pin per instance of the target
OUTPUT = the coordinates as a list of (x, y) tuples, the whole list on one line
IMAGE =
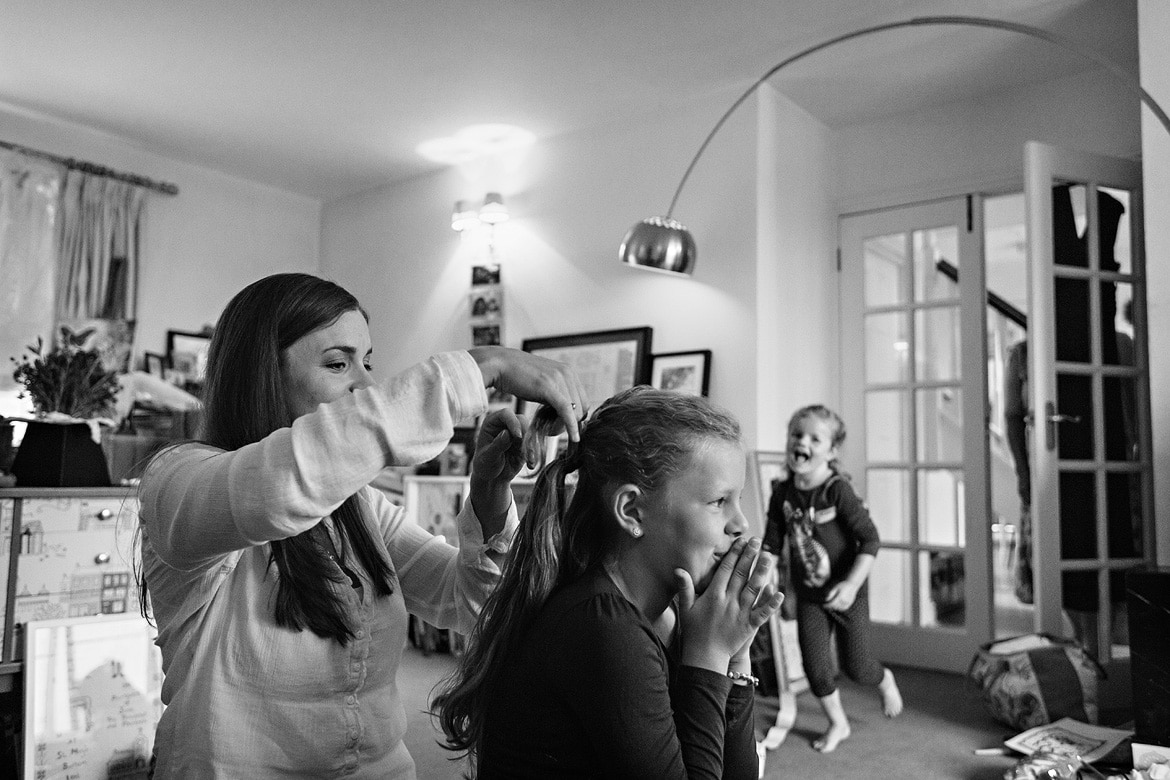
[(799, 457)]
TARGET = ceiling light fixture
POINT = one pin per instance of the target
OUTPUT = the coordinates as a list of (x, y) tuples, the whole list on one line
[(663, 244)]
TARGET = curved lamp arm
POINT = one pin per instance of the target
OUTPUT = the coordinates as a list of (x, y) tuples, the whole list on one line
[(662, 243)]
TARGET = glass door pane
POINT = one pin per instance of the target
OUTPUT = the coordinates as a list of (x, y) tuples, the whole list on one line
[(908, 377), (1091, 466)]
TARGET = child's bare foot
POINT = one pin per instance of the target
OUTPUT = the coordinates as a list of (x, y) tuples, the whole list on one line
[(891, 696), (828, 741)]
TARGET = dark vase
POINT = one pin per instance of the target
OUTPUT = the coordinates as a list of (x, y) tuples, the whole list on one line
[(59, 455)]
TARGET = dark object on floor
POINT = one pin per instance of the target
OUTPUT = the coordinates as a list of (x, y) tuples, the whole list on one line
[(1148, 597)]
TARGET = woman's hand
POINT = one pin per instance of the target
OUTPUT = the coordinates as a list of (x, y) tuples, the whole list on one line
[(722, 622), (535, 378), (497, 460)]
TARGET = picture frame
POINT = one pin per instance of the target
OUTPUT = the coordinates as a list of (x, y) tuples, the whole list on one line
[(683, 372), (154, 364), (187, 353), (770, 469), (606, 361)]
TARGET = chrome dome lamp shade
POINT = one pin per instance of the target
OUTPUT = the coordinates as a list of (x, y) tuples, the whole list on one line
[(663, 244), (660, 244)]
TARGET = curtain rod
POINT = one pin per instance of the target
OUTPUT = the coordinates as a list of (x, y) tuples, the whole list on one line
[(165, 188)]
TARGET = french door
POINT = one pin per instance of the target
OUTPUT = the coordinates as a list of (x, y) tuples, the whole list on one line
[(914, 398), (1090, 433)]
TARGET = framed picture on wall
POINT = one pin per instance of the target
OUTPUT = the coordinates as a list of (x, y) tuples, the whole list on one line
[(187, 353), (770, 469), (154, 364), (607, 361), (683, 372)]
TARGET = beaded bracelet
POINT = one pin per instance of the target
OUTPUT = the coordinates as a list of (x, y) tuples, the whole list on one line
[(737, 676)]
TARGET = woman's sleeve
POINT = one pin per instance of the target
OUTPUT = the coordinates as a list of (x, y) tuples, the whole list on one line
[(640, 723), (444, 585), (200, 502)]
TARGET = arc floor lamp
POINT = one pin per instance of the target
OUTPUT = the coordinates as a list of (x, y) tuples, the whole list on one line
[(663, 244)]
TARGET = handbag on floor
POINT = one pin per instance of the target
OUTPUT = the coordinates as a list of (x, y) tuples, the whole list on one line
[(1035, 679)]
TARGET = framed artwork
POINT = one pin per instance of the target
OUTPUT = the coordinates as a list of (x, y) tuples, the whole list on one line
[(486, 302), (770, 470), (607, 361), (684, 372), (154, 364), (485, 274), (187, 353), (435, 502), (455, 459), (485, 335)]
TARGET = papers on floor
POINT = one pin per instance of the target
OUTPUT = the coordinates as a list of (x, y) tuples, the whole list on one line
[(1069, 737)]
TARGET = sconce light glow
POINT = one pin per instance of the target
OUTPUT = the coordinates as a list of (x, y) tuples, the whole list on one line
[(474, 142), (463, 217), (492, 213)]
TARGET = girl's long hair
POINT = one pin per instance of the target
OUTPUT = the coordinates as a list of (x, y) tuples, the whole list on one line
[(641, 436), (245, 399)]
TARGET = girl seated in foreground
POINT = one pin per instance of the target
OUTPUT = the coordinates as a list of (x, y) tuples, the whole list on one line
[(616, 644)]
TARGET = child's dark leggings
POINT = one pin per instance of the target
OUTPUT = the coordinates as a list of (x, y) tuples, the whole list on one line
[(816, 627)]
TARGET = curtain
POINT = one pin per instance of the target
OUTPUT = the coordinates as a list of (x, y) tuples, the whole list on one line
[(29, 193), (99, 232)]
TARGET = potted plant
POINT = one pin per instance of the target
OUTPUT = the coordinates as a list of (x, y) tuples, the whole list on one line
[(72, 393)]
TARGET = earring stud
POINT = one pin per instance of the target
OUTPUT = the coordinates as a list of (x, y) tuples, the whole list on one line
[(637, 532)]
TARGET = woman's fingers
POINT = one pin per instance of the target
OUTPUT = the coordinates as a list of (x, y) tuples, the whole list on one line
[(535, 378)]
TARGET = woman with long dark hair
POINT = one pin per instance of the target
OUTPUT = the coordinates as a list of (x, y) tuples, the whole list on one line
[(616, 644), (279, 580)]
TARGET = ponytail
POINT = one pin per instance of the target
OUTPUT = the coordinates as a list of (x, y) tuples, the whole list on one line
[(641, 436)]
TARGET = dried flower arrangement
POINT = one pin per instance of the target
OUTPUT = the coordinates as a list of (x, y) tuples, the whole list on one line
[(67, 379)]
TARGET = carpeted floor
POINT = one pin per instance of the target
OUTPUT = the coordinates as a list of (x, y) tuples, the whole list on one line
[(935, 737)]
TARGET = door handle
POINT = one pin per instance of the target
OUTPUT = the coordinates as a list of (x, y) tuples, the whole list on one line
[(1052, 417)]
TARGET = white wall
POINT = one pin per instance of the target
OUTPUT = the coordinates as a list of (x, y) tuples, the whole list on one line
[(1153, 22), (979, 145), (571, 201), (199, 247), (796, 302)]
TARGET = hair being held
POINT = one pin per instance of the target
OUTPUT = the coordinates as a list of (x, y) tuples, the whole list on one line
[(641, 436)]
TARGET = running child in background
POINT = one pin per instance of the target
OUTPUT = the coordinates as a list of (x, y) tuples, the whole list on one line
[(832, 544)]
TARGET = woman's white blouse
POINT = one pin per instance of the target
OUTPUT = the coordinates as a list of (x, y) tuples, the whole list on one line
[(246, 698)]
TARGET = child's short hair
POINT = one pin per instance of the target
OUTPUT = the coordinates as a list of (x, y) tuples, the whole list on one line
[(824, 413)]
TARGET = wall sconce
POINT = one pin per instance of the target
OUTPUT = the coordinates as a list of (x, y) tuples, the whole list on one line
[(491, 213), (663, 244)]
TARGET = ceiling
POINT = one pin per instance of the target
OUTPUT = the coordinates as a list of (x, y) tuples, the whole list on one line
[(331, 98)]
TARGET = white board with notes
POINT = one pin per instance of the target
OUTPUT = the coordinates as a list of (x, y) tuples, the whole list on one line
[(92, 698)]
